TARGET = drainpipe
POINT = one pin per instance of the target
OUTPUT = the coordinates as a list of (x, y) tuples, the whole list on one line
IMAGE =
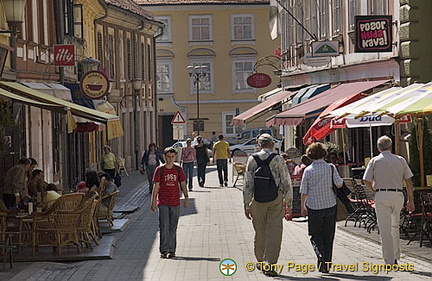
[(155, 88)]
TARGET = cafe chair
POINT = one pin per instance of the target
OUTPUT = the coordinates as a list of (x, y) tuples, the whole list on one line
[(6, 245), (14, 226), (95, 232), (108, 215), (86, 216), (240, 171), (57, 226), (239, 156), (426, 217), (121, 167)]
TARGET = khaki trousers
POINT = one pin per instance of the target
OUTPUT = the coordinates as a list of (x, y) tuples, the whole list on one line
[(267, 219), (388, 205)]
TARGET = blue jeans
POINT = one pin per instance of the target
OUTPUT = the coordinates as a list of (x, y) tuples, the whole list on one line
[(150, 169), (222, 165), (168, 220), (188, 170), (201, 167), (321, 227)]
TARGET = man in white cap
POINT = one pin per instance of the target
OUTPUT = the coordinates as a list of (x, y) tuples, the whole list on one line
[(267, 212)]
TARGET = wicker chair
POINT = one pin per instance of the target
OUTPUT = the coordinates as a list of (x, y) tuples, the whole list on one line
[(108, 216), (6, 244), (57, 226), (85, 220)]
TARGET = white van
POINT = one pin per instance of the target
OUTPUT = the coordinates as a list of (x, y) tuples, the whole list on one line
[(248, 134)]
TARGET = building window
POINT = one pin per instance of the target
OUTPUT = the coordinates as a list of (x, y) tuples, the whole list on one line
[(314, 17), (163, 76), (352, 12), (200, 28), (166, 35), (111, 56), (378, 7), (149, 62), (336, 17), (292, 26), (228, 129), (100, 49), (206, 82), (78, 21), (242, 69), (129, 58), (242, 27), (143, 65), (323, 19), (68, 17), (299, 16)]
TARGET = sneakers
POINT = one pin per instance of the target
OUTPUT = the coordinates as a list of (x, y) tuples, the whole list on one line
[(221, 185), (167, 255), (171, 255), (226, 183), (201, 184)]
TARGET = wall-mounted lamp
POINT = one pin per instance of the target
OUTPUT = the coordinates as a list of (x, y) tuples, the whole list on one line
[(89, 64), (14, 12)]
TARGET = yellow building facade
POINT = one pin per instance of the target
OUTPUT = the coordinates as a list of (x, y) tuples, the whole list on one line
[(228, 39)]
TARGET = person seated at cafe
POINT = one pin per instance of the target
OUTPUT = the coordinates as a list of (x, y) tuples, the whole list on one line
[(305, 161), (92, 180), (343, 159), (289, 162), (81, 187), (108, 188), (332, 158), (36, 184), (50, 195)]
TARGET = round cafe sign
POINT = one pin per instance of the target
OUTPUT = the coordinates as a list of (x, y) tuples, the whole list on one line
[(94, 84)]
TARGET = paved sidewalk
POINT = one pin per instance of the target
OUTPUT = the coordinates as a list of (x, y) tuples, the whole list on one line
[(211, 229)]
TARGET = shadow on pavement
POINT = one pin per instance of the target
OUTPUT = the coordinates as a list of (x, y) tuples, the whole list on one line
[(197, 259)]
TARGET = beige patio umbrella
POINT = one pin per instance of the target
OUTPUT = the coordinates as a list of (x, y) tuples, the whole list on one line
[(414, 100), (418, 104)]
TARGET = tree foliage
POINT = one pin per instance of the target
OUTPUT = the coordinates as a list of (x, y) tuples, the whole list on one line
[(414, 152)]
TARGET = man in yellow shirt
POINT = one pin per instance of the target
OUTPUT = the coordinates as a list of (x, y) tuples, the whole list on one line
[(221, 153)]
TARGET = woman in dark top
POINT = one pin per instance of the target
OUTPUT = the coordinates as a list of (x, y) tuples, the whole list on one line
[(202, 159), (92, 180), (151, 159)]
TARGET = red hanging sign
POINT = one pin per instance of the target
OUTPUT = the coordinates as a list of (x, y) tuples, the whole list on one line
[(64, 55)]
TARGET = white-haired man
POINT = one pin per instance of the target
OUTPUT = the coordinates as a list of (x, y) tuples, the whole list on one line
[(385, 175)]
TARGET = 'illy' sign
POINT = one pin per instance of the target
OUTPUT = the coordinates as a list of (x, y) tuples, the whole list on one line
[(64, 55)]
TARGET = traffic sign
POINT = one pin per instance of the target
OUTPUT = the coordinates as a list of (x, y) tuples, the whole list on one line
[(178, 119), (178, 132)]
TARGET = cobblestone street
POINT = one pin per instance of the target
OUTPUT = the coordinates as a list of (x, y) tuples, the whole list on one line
[(211, 229)]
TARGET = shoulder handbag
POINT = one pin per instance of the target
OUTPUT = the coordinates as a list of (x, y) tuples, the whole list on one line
[(344, 207)]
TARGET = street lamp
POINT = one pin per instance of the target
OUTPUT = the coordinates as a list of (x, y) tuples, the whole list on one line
[(137, 85), (197, 72), (14, 12), (89, 64)]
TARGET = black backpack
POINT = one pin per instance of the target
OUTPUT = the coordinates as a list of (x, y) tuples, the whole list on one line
[(265, 188)]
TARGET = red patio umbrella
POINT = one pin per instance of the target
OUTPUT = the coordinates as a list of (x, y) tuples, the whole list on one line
[(321, 127)]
